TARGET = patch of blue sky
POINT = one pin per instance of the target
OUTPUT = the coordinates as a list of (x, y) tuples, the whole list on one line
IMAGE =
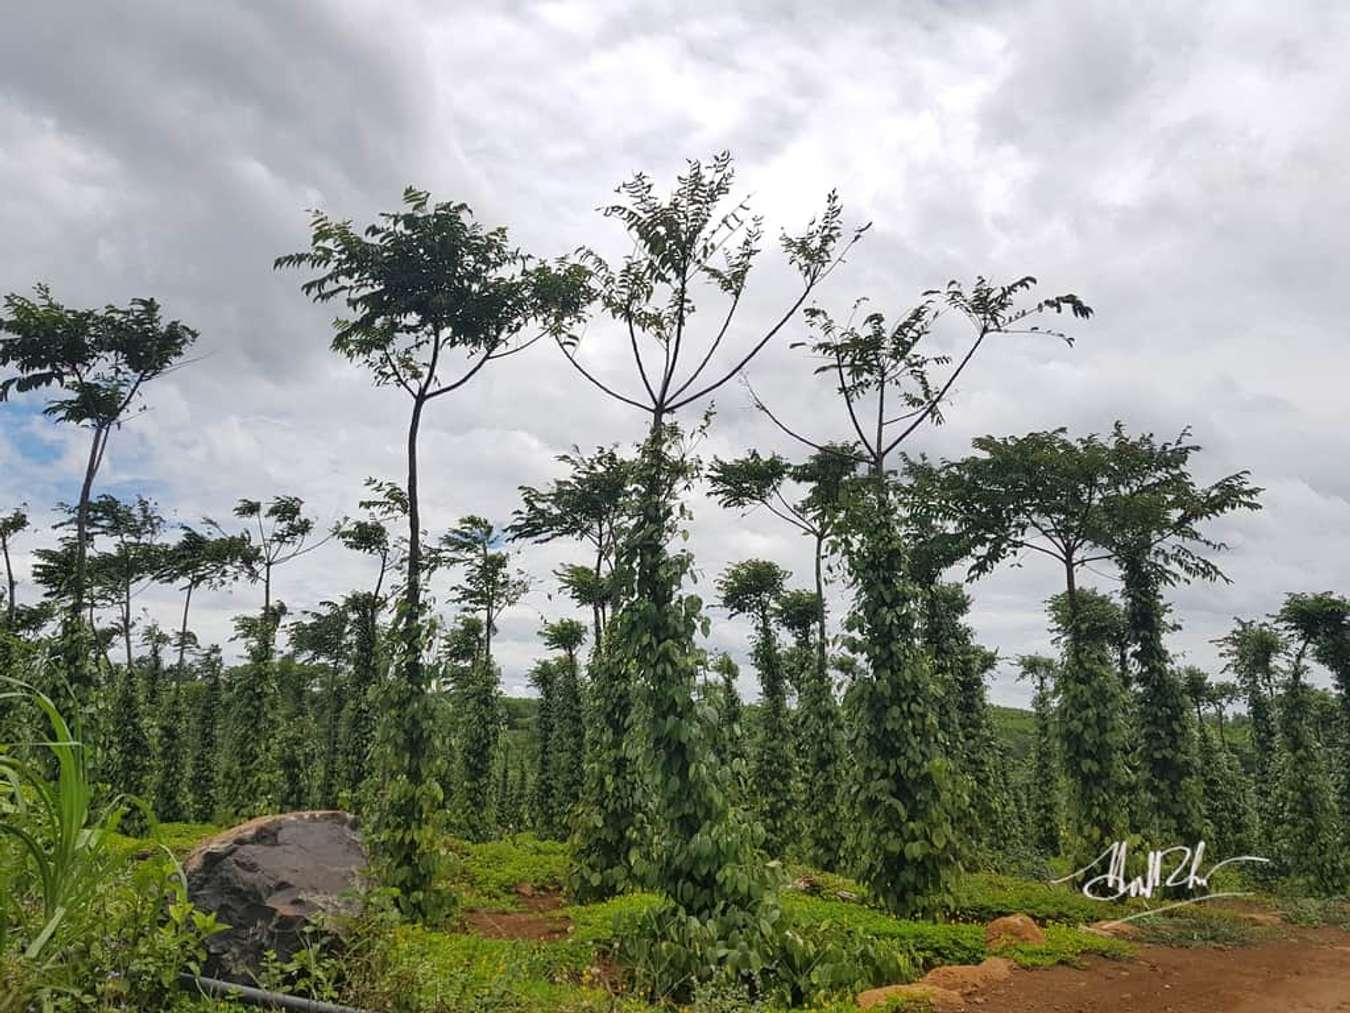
[(28, 431), (39, 442)]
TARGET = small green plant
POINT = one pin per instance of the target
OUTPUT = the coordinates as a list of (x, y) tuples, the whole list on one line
[(1316, 912), (1203, 925), (62, 835), (81, 924)]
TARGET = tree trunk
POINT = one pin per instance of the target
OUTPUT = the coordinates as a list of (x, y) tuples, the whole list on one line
[(599, 563), (822, 660), (182, 633), (412, 594), (10, 607), (82, 519), (1071, 592)]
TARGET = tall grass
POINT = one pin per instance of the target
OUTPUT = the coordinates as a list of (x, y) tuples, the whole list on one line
[(62, 836)]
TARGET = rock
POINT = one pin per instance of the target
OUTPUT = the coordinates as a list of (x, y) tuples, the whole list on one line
[(965, 978), (267, 878), (1012, 930), (1116, 930), (940, 1000)]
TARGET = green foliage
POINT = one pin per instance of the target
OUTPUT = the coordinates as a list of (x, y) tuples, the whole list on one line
[(249, 778), (544, 807), (60, 832), (1229, 808), (203, 762), (982, 897), (1202, 925), (1091, 713), (480, 723), (1250, 651), (905, 832), (820, 739), (1323, 621), (170, 786), (1309, 838), (1045, 769), (356, 727), (704, 857), (129, 759), (406, 811), (567, 748), (98, 361), (753, 588), (80, 925), (609, 826)]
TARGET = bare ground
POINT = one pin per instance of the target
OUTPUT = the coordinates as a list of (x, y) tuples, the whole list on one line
[(1307, 972)]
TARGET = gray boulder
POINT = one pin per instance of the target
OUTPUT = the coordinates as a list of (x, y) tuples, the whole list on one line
[(269, 877)]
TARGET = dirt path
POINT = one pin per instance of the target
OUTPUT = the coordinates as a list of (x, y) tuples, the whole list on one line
[(1309, 972), (538, 921)]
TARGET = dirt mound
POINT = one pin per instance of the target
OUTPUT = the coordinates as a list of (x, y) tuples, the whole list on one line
[(940, 1000), (1011, 931), (965, 978)]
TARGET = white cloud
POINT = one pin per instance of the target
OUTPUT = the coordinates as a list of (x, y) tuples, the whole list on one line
[(1181, 169)]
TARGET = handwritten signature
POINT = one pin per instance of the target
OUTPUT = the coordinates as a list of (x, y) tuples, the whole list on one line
[(1113, 885)]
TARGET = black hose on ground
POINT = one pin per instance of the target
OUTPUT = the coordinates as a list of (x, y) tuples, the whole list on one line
[(218, 989)]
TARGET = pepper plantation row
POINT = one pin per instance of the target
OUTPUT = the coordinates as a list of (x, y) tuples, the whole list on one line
[(871, 750)]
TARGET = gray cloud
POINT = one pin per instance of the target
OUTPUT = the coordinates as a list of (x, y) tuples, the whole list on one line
[(1183, 170)]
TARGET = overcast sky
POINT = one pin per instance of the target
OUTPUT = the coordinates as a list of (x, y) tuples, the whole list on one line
[(1181, 166)]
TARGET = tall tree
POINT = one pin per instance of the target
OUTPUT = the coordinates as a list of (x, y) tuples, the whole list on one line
[(1312, 836), (424, 286), (589, 503), (1043, 493), (1228, 807), (906, 802), (1251, 651), (1323, 620), (198, 560), (752, 588), (758, 482), (11, 524), (282, 533), (97, 362), (755, 481), (488, 586), (685, 244), (136, 559), (1152, 518)]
